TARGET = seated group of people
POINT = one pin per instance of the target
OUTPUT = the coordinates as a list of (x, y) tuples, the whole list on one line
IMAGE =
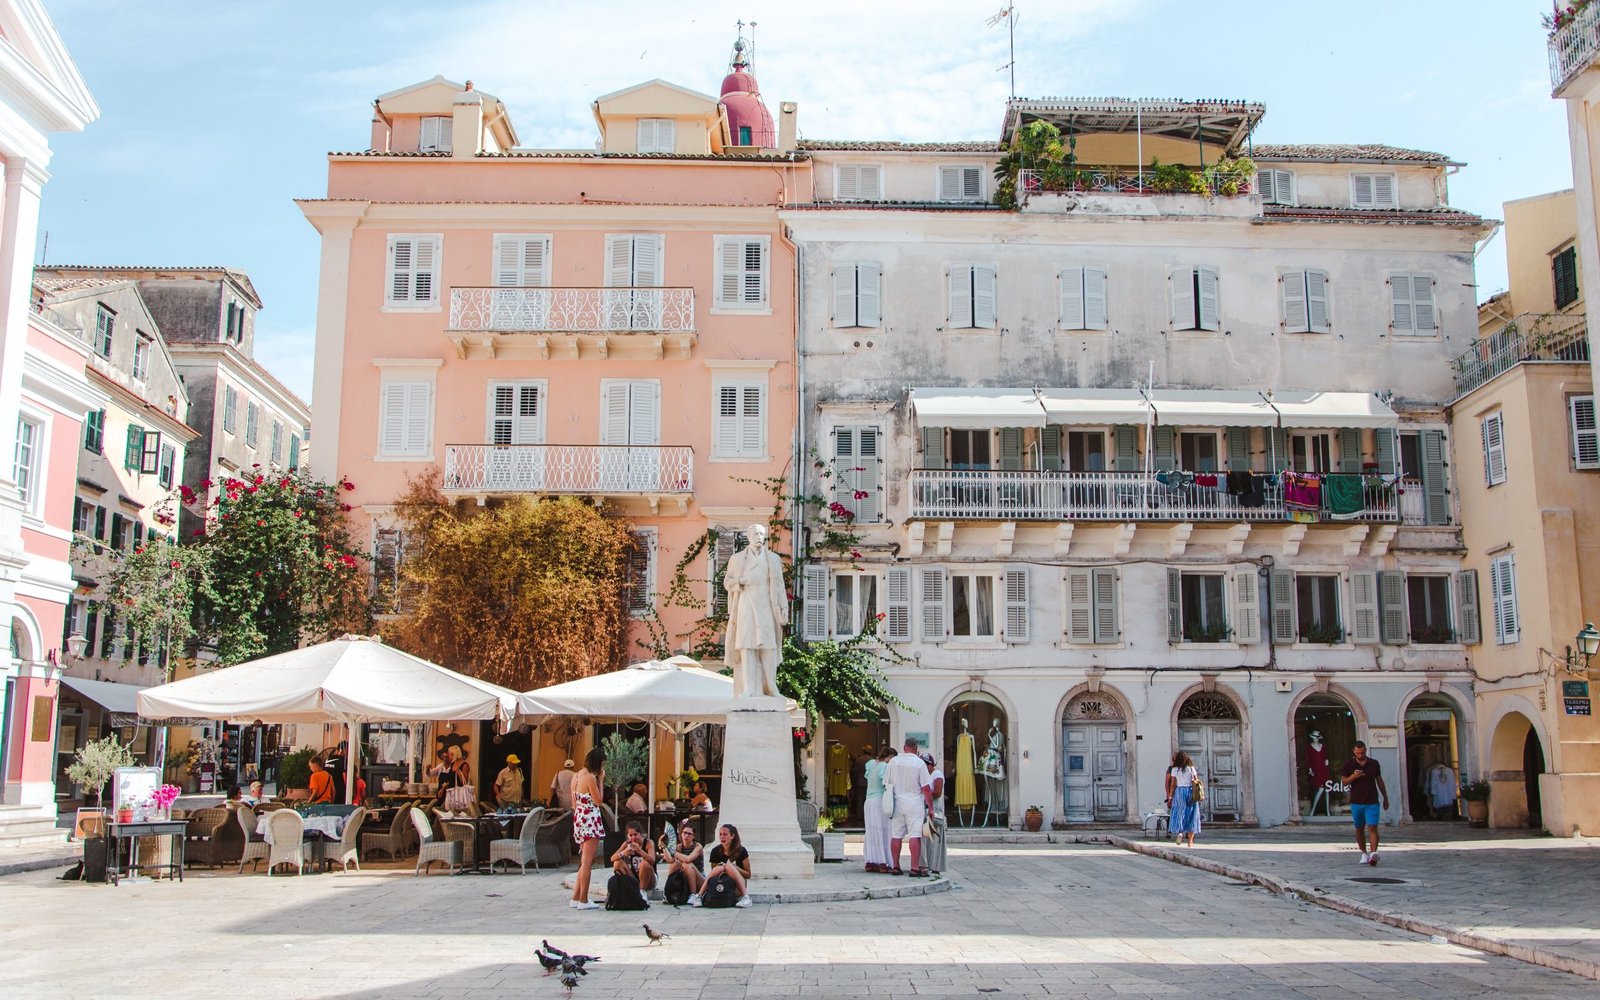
[(639, 802), (638, 858)]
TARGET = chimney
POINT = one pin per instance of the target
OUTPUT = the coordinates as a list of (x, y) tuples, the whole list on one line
[(788, 112), (466, 126)]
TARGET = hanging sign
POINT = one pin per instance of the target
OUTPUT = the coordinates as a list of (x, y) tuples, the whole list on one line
[(1576, 706)]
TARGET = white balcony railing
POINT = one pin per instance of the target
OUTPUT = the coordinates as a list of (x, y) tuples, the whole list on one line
[(1531, 337), (568, 468), (572, 310), (1574, 45), (1129, 496)]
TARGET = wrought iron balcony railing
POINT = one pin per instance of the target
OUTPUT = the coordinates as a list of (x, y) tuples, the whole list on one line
[(1574, 46), (567, 468), (1531, 337)]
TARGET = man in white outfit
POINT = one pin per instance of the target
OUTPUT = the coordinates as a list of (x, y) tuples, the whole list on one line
[(907, 779)]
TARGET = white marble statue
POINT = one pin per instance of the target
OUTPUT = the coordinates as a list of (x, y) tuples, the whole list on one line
[(758, 608)]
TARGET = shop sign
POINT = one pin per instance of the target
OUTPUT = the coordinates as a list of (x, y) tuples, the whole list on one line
[(1576, 706), (922, 740), (208, 776), (1383, 738), (1575, 689)]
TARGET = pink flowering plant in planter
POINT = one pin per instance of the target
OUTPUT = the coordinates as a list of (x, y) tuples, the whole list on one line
[(163, 798)]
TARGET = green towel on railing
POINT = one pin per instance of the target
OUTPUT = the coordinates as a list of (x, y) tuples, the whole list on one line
[(1343, 496)]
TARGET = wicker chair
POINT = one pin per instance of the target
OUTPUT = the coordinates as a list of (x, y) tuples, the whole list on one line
[(272, 806), (212, 838), (394, 843), (522, 849), (288, 831), (256, 848), (465, 834), (429, 849), (348, 854), (807, 813), (555, 839)]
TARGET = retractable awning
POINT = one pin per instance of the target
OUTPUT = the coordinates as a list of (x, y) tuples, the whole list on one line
[(1213, 407), (977, 409), (109, 696), (1333, 409), (1094, 406)]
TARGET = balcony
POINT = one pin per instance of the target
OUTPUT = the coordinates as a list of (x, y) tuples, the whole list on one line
[(946, 494), (1531, 337), (651, 472), (572, 323), (1123, 190), (1573, 46)]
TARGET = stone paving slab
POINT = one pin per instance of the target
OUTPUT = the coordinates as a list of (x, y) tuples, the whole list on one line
[(1525, 895)]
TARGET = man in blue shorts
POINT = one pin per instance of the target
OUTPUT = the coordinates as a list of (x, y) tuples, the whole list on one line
[(1365, 780)]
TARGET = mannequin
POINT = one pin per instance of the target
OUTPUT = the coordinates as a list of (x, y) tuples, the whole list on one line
[(1317, 765), (966, 793), (838, 773), (994, 774)]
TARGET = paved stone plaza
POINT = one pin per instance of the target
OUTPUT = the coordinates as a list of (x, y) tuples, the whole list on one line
[(1062, 920)]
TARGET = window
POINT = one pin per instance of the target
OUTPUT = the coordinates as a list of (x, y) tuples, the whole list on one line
[(294, 452), (741, 421), (857, 182), (109, 627), (169, 459), (1310, 452), (1585, 433), (142, 345), (1194, 299), (970, 449), (27, 461), (1428, 608), (82, 516), (973, 605), (1091, 614), (1197, 612), (118, 529), (1494, 450), (963, 183), (630, 427), (1204, 617), (435, 134), (858, 473), (516, 412), (521, 261), (638, 588), (94, 431), (744, 135), (105, 322), (277, 442), (855, 602), (1305, 302), (1503, 591), (1372, 190), (633, 261), (74, 620), (390, 594), (230, 410), (252, 420), (1276, 186), (1564, 275), (1198, 451), (857, 295), (972, 303), (413, 279), (1316, 609), (234, 328), (1086, 451), (1411, 296), (150, 453), (405, 420), (741, 272), (133, 449), (657, 135), (1083, 298)]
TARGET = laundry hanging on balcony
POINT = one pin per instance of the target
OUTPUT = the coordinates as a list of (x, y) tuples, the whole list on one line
[(1346, 497), (1302, 491)]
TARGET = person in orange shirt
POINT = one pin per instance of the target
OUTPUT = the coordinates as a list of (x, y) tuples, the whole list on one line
[(321, 781)]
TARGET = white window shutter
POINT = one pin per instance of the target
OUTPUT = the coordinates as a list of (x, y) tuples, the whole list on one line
[(1401, 318), (1426, 320), (1468, 627), (507, 261), (423, 278), (753, 287), (1494, 450), (1317, 301), (402, 259), (960, 297), (814, 600), (1361, 190), (419, 406), (393, 434), (1078, 615), (844, 295), (666, 135), (752, 425), (869, 295), (870, 477), (1585, 432), (644, 413), (536, 260), (1174, 605), (1183, 317), (727, 431), (1209, 319), (897, 605), (1294, 301), (502, 412), (614, 405), (644, 139), (1072, 299), (935, 604), (972, 183), (619, 261), (1015, 582), (1265, 186), (1246, 607), (1364, 607), (647, 261), (1095, 311), (730, 271), (869, 181), (983, 297), (847, 186), (949, 183), (1107, 619), (1383, 191)]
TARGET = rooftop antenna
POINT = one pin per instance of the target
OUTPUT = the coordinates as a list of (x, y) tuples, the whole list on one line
[(1010, 16)]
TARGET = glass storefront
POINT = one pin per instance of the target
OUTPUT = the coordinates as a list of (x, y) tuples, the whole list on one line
[(977, 762), (1324, 736), (1433, 759)]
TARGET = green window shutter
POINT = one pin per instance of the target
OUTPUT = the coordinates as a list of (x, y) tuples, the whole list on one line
[(1050, 448), (1127, 448), (1166, 452), (1283, 610), (1364, 607), (100, 523), (1392, 608), (133, 452), (1435, 495), (1349, 450), (1079, 611), (1238, 449), (1011, 448), (1107, 621), (116, 531), (1388, 453), (1246, 607), (1468, 626), (1174, 606)]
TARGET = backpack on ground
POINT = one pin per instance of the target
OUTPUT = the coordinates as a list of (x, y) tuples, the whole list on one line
[(622, 893), (676, 889), (719, 892)]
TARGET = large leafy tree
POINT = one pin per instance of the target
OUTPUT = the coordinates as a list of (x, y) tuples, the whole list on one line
[(523, 593), (154, 588)]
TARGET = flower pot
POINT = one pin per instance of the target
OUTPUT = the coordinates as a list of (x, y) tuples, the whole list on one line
[(1032, 820), (1478, 812), (125, 815), (832, 846)]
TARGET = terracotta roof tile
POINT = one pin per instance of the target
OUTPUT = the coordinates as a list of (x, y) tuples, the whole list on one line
[(1305, 213), (888, 146), (1347, 152)]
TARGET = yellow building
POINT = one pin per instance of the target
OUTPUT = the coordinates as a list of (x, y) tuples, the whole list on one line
[(1527, 456)]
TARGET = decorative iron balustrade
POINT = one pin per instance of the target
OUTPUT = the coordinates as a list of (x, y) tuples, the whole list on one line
[(1532, 337), (568, 468), (573, 310), (1574, 46)]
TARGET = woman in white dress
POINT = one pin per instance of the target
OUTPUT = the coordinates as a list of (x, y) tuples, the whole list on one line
[(875, 841)]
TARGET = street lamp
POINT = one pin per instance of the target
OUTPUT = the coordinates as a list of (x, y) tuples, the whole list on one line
[(76, 644), (1588, 642)]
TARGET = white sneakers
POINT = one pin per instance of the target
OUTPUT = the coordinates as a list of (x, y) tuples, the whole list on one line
[(582, 906), (694, 900), (1372, 859), (1364, 857), (743, 901)]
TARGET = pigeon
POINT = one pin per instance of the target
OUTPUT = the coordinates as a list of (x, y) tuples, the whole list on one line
[(572, 968), (550, 962), (656, 937), (550, 949)]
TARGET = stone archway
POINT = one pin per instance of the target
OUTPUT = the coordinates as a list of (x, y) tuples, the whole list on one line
[(1096, 772), (995, 794), (1516, 759), (1212, 724), (1299, 758), (1424, 726)]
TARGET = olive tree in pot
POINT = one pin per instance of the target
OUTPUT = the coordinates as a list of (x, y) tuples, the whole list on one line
[(294, 773), (626, 764), (1476, 795)]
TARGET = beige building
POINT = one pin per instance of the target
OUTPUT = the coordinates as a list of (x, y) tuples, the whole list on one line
[(1527, 461)]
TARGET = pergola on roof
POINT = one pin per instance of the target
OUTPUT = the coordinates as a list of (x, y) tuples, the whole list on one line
[(1224, 124)]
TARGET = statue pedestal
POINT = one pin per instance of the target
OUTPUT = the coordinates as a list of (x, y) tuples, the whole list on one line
[(758, 794)]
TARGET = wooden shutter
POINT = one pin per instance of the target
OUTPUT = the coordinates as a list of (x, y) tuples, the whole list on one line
[(647, 261), (1392, 608), (116, 531), (1011, 448), (1383, 191), (1127, 448), (1425, 318), (857, 182), (814, 602), (100, 523), (424, 269), (1503, 582), (1107, 620), (933, 448), (1078, 613), (1165, 447), (1072, 299), (1401, 316), (935, 604), (869, 295), (1284, 613), (1015, 583), (1246, 607), (150, 452), (730, 271), (1317, 302), (897, 605), (419, 400), (845, 309), (960, 184), (1585, 432), (1096, 312), (1349, 450), (619, 261), (1434, 484), (1388, 451), (1277, 186), (1183, 313), (1361, 190), (1238, 449), (1209, 316), (644, 413), (1050, 448), (1279, 450), (1364, 607), (870, 477), (752, 420), (1174, 606), (514, 413), (644, 139), (1469, 630), (727, 432), (1294, 302), (983, 297), (960, 310), (435, 134), (1494, 450), (521, 261), (133, 448)]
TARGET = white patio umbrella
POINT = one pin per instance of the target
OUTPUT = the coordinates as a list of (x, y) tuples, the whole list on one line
[(350, 680)]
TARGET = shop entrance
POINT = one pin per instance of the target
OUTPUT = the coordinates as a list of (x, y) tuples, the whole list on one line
[(1093, 771), (1532, 767), (1433, 759), (977, 762), (850, 743), (1324, 736), (1209, 732)]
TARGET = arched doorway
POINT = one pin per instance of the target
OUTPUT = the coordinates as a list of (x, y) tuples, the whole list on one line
[(1532, 767), (1434, 757), (848, 745), (1210, 732), (1516, 759), (977, 762), (1094, 733), (1324, 736)]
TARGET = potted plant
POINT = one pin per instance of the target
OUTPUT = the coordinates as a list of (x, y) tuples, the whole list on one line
[(294, 773), (1476, 795), (95, 762), (1033, 819), (626, 762), (832, 840)]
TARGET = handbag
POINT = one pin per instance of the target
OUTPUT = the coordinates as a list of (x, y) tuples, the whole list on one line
[(1197, 790), (928, 832), (888, 802)]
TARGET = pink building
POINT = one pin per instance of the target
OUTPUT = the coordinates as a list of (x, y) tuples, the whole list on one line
[(613, 323)]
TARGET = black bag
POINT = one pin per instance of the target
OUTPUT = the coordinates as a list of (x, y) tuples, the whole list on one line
[(719, 892), (622, 893), (676, 890)]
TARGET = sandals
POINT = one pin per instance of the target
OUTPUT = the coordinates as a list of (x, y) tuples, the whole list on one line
[(896, 871), (919, 873)]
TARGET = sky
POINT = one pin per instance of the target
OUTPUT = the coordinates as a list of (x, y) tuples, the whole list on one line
[(216, 116)]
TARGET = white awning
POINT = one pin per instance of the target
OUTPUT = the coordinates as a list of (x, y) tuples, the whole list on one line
[(977, 409), (1212, 408), (1333, 409), (112, 697), (1094, 406)]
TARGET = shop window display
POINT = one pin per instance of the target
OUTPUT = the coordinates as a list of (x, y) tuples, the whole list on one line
[(850, 744), (977, 763), (1325, 736), (1433, 759)]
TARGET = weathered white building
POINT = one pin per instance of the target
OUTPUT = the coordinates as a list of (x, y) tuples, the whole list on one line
[(1060, 434)]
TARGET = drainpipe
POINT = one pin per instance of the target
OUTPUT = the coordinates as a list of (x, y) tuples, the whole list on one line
[(1264, 574), (799, 466)]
